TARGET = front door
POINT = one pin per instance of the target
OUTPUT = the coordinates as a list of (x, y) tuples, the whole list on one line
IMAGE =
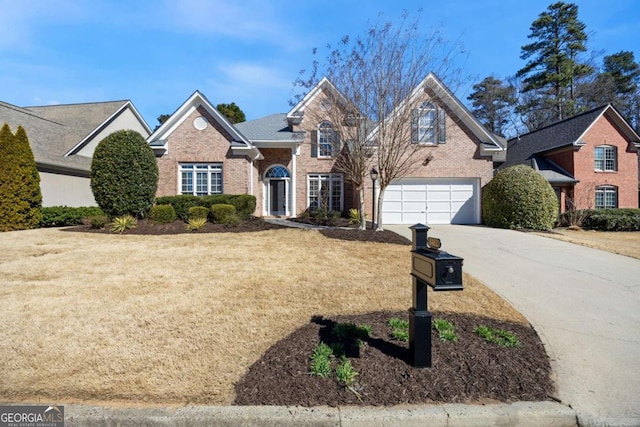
[(277, 195)]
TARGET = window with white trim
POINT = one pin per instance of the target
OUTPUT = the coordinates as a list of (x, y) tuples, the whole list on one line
[(325, 191), (606, 197), (201, 179), (606, 158), (326, 141), (428, 124)]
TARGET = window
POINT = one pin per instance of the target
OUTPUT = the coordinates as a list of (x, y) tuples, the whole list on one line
[(606, 158), (428, 124), (325, 191), (326, 137), (201, 179), (606, 197)]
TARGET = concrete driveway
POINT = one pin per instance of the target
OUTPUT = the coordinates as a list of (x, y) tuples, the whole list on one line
[(584, 303)]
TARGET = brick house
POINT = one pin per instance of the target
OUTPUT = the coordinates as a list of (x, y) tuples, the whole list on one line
[(288, 160), (591, 159)]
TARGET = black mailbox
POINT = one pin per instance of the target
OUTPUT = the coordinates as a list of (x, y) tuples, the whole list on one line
[(434, 268)]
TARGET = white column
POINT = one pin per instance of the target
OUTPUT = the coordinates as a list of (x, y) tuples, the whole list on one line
[(294, 154)]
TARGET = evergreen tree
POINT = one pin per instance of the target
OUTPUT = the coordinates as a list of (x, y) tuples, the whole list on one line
[(124, 174), (20, 196), (554, 68), (231, 112), (492, 101)]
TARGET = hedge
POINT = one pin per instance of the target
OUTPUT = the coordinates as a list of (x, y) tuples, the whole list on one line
[(62, 216), (245, 204)]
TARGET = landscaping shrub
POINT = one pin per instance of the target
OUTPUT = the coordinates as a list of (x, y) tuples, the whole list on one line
[(245, 205), (162, 214), (519, 197), (612, 220), (122, 223), (98, 221), (124, 174), (197, 212), (62, 216), (20, 196), (181, 204), (223, 213)]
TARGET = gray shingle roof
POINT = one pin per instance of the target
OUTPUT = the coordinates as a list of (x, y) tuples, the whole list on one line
[(54, 130), (560, 134), (551, 171), (270, 128)]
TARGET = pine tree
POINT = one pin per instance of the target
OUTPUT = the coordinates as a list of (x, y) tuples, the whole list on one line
[(554, 68), (20, 196), (492, 100)]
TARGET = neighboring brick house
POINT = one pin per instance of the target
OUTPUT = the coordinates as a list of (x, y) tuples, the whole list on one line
[(591, 160), (63, 138), (288, 161)]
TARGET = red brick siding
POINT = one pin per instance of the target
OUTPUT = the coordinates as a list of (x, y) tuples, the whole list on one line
[(458, 157), (604, 132), (186, 144)]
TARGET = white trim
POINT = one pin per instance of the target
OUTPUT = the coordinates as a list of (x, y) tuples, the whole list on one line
[(100, 127), (294, 181)]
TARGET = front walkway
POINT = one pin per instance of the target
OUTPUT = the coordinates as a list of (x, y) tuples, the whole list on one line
[(584, 303)]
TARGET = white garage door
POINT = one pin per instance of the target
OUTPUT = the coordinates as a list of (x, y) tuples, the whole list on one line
[(432, 201)]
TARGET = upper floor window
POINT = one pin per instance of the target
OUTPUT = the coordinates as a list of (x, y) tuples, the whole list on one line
[(428, 124), (606, 197), (606, 158), (325, 142), (201, 179)]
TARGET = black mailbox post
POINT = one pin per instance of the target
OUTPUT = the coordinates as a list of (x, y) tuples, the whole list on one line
[(429, 267)]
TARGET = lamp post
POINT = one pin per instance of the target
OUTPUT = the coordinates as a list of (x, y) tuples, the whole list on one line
[(374, 176)]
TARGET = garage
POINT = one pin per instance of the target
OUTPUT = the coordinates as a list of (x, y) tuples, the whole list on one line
[(432, 201)]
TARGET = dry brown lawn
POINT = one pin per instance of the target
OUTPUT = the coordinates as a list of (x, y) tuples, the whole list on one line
[(619, 242), (170, 320)]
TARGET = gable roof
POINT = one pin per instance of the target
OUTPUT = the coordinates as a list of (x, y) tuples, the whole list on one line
[(491, 144), (84, 121), (55, 132), (158, 139), (295, 115), (565, 133)]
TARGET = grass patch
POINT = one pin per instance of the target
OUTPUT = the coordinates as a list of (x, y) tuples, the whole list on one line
[(399, 329), (321, 361), (497, 336), (446, 330)]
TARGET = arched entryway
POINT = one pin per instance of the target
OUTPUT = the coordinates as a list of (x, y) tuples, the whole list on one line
[(277, 182)]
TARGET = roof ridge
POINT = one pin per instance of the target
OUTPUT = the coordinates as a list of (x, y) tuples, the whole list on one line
[(78, 103), (28, 112), (559, 122)]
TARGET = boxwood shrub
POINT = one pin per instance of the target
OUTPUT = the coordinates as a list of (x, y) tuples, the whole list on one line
[(62, 216), (519, 197), (162, 214), (196, 212), (223, 213), (245, 204), (612, 220)]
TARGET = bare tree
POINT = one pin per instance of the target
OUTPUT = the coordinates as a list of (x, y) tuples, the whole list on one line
[(380, 80)]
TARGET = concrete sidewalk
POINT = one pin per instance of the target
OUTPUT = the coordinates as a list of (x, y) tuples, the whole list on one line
[(522, 414), (584, 303)]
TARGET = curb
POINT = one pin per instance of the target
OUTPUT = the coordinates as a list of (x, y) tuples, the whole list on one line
[(525, 414)]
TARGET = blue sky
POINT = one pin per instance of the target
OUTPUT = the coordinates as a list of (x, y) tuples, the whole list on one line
[(157, 53)]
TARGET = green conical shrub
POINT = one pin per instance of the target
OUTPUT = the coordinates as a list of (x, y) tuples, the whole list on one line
[(20, 196)]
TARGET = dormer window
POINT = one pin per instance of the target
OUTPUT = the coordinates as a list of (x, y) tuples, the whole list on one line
[(606, 158), (428, 124)]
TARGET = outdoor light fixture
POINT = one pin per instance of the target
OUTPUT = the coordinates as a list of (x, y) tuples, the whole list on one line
[(374, 176)]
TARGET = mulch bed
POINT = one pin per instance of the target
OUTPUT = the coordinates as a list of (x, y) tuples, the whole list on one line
[(469, 370), (147, 227)]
